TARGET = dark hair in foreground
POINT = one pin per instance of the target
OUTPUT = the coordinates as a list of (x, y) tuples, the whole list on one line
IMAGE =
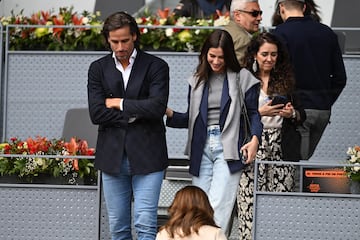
[(119, 20), (281, 77), (189, 211), (218, 38)]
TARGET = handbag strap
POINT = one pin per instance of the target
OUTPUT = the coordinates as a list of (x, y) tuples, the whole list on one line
[(243, 108)]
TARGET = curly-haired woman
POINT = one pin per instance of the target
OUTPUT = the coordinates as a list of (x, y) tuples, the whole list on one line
[(280, 112)]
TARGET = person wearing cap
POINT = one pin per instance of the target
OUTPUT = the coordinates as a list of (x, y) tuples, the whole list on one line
[(311, 9), (319, 68), (245, 18)]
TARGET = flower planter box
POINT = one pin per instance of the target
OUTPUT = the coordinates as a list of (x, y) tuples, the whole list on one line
[(46, 179)]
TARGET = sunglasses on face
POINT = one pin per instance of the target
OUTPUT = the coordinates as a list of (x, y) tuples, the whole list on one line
[(254, 13)]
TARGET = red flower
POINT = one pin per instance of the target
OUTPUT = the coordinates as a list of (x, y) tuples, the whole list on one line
[(76, 20), (83, 146), (58, 21), (45, 15), (35, 19), (90, 151), (7, 149), (32, 146)]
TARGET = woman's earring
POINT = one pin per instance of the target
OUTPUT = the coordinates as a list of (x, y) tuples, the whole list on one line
[(254, 66)]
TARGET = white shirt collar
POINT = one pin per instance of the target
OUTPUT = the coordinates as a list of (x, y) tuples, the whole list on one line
[(131, 60)]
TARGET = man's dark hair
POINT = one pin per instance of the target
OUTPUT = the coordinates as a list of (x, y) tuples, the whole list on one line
[(119, 20)]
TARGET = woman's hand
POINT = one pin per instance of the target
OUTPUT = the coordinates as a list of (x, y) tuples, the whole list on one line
[(169, 112), (249, 150), (288, 111), (270, 110)]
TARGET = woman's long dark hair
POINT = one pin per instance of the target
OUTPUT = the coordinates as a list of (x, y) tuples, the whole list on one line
[(189, 211), (281, 76), (218, 38)]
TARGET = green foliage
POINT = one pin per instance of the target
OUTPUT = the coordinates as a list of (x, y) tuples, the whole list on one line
[(69, 31), (28, 159), (353, 172)]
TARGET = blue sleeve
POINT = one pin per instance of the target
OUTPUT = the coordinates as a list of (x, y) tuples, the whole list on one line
[(179, 120), (252, 106)]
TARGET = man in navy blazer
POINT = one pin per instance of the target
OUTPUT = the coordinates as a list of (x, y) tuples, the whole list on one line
[(127, 94)]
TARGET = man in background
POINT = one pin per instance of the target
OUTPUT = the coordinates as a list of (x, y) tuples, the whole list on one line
[(245, 20), (319, 68)]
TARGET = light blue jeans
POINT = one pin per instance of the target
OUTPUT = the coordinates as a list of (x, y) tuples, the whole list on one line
[(120, 190), (216, 180)]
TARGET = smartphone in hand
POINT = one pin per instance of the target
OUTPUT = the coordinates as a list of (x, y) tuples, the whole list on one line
[(279, 99)]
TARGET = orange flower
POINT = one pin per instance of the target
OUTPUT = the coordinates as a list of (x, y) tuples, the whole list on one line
[(76, 164), (71, 146), (77, 21), (42, 144), (58, 21), (163, 13)]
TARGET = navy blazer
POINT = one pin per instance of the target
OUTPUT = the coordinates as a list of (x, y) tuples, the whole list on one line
[(317, 59), (145, 99), (180, 120)]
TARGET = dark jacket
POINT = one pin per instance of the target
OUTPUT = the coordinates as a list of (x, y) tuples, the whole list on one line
[(317, 59), (290, 137), (145, 99)]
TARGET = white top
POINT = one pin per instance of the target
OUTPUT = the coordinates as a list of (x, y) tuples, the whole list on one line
[(125, 72), (269, 122), (205, 233)]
